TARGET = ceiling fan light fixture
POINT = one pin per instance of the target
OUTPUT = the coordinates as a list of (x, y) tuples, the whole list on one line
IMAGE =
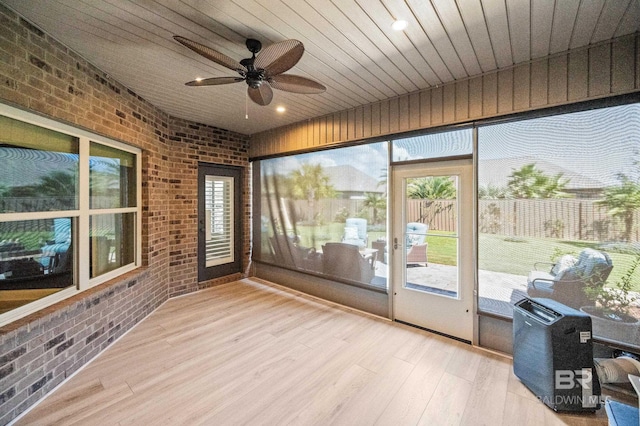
[(399, 25)]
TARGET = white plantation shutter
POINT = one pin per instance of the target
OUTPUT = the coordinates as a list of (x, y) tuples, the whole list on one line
[(219, 220)]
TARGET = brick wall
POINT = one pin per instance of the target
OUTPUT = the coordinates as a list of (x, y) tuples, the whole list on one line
[(39, 74), (193, 143)]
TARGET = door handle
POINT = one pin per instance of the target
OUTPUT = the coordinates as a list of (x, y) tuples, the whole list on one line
[(396, 246)]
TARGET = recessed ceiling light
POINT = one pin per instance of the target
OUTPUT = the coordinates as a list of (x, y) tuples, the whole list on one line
[(281, 109), (399, 25), (199, 78)]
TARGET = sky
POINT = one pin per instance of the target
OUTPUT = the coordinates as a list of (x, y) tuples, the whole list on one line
[(597, 143), (369, 158)]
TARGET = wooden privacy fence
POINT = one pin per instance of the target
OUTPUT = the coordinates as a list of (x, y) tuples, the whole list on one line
[(323, 211), (570, 219)]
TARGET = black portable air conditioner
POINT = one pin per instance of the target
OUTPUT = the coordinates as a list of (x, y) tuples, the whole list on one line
[(553, 354)]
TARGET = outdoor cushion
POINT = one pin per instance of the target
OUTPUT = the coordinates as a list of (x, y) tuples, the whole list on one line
[(350, 233), (565, 262), (593, 259), (413, 239), (355, 232), (415, 233), (588, 262)]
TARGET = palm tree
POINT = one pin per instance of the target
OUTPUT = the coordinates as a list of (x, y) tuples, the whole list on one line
[(492, 192), (382, 180), (432, 190), (376, 202), (310, 183), (623, 200), (530, 182), (60, 187), (58, 184)]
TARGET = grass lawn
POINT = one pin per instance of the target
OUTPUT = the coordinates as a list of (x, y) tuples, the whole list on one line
[(496, 252), (517, 256)]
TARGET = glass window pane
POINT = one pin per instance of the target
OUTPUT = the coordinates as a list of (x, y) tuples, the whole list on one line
[(325, 213), (112, 239), (39, 168), (434, 145), (431, 229), (558, 216), (36, 260), (219, 220), (112, 177)]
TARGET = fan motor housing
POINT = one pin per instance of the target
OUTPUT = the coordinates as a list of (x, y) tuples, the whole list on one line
[(255, 78)]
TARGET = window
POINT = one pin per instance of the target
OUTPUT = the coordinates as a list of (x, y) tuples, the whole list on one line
[(219, 220), (112, 191), (325, 213), (63, 192), (559, 216), (448, 144)]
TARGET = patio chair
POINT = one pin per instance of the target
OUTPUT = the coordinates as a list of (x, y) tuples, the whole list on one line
[(567, 279), (415, 236), (345, 261), (288, 253), (355, 232)]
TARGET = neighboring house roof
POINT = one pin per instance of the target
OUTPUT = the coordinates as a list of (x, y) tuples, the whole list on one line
[(496, 173), (349, 179)]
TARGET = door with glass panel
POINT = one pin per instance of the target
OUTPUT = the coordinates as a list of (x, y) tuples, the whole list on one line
[(432, 246), (219, 221)]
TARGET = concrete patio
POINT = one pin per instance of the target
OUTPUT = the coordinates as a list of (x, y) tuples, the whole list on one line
[(499, 291)]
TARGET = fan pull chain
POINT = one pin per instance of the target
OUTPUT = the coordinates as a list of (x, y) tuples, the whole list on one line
[(246, 105)]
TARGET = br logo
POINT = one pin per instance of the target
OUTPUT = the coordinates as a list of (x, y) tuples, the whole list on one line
[(569, 379)]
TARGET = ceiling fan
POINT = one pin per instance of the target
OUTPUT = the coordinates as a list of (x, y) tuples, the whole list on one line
[(261, 72)]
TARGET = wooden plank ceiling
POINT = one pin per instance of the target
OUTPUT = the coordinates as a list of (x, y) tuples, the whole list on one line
[(350, 46)]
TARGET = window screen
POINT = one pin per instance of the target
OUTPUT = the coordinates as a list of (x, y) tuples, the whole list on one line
[(559, 215)]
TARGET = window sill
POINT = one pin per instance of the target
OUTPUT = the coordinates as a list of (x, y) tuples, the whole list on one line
[(136, 274)]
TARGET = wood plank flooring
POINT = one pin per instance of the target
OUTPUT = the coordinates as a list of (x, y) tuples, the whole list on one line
[(253, 353)]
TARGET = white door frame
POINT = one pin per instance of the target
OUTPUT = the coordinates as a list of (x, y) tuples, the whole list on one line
[(465, 306)]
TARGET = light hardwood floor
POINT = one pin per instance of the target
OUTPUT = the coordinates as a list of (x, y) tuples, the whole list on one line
[(252, 353)]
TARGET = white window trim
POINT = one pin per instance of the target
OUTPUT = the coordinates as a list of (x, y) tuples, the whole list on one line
[(81, 215), (230, 214)]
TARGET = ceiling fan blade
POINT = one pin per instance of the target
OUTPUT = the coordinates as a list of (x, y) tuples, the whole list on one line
[(296, 84), (279, 57), (261, 95), (214, 81), (209, 53)]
